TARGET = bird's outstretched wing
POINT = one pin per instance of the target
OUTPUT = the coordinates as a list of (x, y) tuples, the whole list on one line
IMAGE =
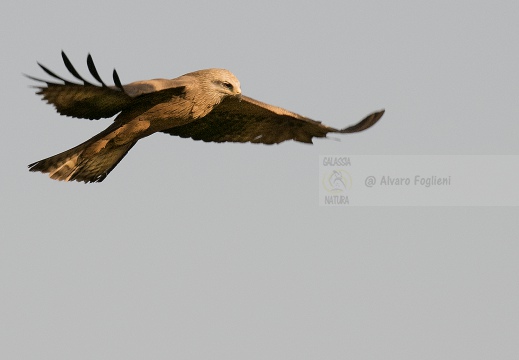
[(252, 121), (86, 100)]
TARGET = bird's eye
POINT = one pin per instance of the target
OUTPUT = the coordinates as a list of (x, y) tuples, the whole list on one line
[(228, 85)]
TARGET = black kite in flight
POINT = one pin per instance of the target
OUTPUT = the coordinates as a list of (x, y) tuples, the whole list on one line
[(203, 105)]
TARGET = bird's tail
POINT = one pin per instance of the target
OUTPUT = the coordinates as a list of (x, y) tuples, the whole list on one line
[(90, 161)]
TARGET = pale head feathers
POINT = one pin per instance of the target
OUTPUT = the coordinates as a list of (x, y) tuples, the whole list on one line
[(221, 81)]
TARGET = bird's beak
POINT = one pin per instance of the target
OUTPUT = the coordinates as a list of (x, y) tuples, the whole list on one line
[(238, 96)]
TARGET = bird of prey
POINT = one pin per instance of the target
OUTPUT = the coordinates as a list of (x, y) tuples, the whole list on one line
[(203, 105)]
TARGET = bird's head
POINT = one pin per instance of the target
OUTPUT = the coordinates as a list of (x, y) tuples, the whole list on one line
[(219, 82), (225, 82)]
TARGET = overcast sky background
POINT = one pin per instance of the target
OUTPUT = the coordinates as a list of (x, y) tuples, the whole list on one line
[(192, 250)]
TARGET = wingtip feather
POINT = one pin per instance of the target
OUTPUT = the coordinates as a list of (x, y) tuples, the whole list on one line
[(93, 70), (365, 123), (72, 69), (117, 81)]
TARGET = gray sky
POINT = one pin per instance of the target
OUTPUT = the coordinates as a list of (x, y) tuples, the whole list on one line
[(192, 250)]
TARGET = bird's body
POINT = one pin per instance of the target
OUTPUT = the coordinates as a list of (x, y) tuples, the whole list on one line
[(204, 105)]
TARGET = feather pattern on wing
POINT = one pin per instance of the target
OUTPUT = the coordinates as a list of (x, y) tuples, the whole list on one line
[(253, 121), (90, 101), (86, 100)]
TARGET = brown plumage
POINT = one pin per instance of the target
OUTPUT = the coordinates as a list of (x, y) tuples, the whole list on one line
[(203, 105)]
